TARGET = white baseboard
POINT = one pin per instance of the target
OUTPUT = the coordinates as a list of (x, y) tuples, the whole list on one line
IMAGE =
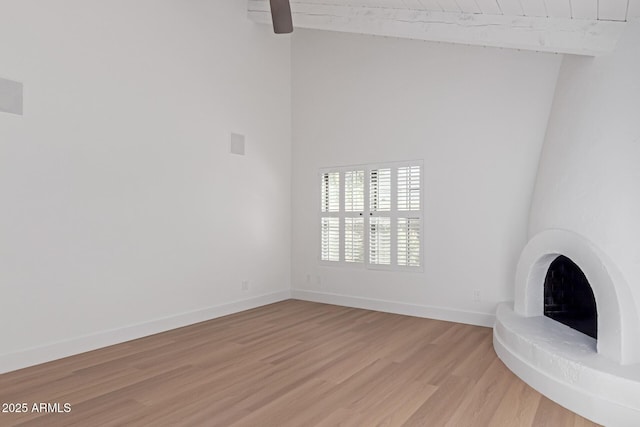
[(430, 312), (58, 350)]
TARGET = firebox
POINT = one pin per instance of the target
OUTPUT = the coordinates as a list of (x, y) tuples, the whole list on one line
[(568, 297)]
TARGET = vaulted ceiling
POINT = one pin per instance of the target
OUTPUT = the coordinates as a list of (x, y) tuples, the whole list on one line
[(585, 27)]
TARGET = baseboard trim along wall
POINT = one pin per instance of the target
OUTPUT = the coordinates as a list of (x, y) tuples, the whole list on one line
[(53, 351), (46, 353), (430, 312)]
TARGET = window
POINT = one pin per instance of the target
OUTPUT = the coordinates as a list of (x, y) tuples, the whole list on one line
[(371, 216)]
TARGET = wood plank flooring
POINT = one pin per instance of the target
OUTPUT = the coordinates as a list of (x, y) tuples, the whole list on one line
[(293, 363)]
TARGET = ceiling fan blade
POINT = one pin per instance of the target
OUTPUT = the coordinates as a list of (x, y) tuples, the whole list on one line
[(281, 16)]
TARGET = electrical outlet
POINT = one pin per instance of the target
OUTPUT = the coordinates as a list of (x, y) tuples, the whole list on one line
[(245, 285), (308, 278), (476, 295)]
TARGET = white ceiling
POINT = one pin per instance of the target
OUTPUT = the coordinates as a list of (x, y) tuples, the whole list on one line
[(586, 27)]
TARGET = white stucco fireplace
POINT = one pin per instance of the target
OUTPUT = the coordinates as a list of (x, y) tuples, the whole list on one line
[(599, 379), (586, 207)]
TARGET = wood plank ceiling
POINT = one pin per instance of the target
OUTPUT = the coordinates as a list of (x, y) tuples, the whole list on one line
[(609, 10), (585, 27)]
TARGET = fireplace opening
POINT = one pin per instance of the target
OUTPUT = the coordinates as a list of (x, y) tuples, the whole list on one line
[(568, 297)]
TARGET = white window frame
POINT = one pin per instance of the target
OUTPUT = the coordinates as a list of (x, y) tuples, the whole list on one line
[(393, 214)]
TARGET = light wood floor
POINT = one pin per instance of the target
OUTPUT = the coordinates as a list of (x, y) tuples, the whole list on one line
[(292, 363)]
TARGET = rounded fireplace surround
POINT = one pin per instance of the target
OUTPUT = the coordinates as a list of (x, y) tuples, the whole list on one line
[(618, 321), (599, 379)]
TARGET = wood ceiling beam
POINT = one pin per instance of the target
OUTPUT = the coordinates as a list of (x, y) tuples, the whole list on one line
[(544, 34)]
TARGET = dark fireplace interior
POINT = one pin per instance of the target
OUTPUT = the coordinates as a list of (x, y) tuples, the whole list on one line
[(568, 297)]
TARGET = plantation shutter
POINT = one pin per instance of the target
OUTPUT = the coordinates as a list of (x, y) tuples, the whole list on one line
[(330, 192), (354, 220), (354, 191), (380, 240), (380, 190), (354, 239), (409, 188), (409, 242), (409, 218), (330, 225), (330, 237)]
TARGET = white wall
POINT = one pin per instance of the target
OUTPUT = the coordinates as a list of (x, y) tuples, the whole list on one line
[(477, 117), (120, 202)]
